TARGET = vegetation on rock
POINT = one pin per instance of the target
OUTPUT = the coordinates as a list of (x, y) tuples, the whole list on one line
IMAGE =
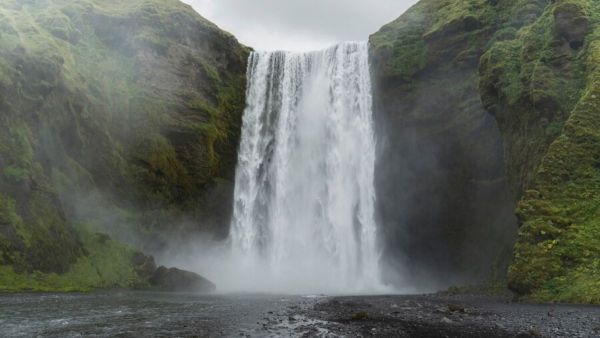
[(548, 110), (104, 264), (123, 116), (441, 187), (538, 77)]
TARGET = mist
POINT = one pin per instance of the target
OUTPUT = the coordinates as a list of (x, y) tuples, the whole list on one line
[(303, 219), (445, 208)]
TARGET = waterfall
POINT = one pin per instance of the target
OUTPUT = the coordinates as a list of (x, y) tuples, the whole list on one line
[(304, 196)]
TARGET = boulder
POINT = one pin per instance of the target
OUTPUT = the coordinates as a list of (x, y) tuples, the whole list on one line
[(143, 265), (173, 279)]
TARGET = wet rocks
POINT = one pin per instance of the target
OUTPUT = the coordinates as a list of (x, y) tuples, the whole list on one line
[(446, 320), (464, 316), (143, 265), (173, 279)]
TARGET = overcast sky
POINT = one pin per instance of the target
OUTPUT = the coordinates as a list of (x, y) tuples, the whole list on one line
[(299, 24)]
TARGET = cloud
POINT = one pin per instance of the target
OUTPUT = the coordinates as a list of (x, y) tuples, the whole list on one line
[(299, 24)]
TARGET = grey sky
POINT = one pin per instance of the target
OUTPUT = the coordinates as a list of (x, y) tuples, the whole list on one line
[(299, 24)]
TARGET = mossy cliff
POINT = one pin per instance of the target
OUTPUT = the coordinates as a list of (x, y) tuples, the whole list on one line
[(543, 87), (444, 202), (118, 116), (532, 65)]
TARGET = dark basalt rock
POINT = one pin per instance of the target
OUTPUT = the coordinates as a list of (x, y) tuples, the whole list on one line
[(143, 265), (442, 198), (173, 279)]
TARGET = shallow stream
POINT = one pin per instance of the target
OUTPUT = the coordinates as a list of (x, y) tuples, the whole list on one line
[(148, 314)]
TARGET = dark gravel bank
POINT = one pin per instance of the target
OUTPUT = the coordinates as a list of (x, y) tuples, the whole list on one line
[(149, 314), (441, 316)]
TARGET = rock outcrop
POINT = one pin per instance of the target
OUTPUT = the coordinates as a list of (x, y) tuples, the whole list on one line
[(168, 279), (176, 280)]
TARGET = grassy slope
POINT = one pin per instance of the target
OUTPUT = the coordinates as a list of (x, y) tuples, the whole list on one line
[(106, 264), (136, 104)]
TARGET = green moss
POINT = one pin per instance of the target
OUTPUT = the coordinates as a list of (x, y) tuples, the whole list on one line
[(460, 12), (531, 83), (14, 174), (426, 82), (107, 264), (97, 58), (212, 134), (161, 172), (10, 218), (216, 131), (557, 254), (538, 77), (17, 149), (95, 99), (425, 32), (554, 129), (57, 24), (210, 72), (407, 56), (153, 42)]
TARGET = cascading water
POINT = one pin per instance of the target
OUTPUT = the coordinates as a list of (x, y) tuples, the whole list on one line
[(304, 197)]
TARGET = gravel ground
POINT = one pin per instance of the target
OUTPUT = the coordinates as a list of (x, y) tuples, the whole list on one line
[(438, 316), (145, 314)]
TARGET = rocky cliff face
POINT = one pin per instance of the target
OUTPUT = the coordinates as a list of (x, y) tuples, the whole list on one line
[(466, 85), (444, 201), (541, 83), (115, 116)]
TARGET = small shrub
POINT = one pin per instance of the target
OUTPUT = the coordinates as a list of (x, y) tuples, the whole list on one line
[(14, 174)]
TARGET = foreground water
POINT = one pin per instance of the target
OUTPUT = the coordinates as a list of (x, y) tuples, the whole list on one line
[(143, 314), (146, 314)]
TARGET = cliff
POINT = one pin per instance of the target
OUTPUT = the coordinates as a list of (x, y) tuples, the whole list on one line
[(118, 117), (467, 85), (445, 206), (542, 86)]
